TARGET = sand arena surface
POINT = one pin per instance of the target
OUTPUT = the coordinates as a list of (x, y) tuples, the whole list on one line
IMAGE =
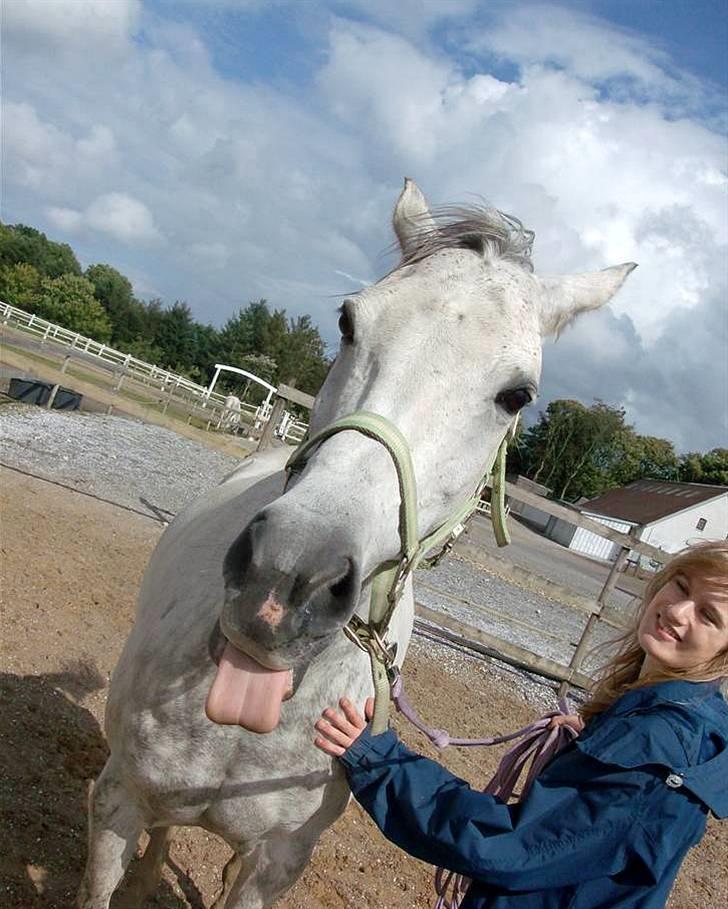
[(71, 566)]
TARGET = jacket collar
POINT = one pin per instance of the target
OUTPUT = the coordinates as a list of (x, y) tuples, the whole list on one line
[(676, 692)]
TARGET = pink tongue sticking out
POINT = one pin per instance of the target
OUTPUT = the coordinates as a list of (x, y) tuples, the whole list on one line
[(247, 694)]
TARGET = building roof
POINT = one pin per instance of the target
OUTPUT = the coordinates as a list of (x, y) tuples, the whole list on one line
[(646, 501)]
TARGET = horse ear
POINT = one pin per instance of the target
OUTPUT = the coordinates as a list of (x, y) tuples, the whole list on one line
[(563, 297), (411, 216)]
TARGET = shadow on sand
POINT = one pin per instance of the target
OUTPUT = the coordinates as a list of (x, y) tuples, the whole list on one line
[(51, 748)]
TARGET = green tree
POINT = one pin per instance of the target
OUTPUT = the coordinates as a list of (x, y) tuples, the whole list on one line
[(642, 457), (175, 336), (269, 335), (69, 301), (295, 345), (20, 285), (261, 365), (144, 349), (711, 467), (127, 314), (207, 350), (304, 355), (572, 449), (19, 243), (236, 338)]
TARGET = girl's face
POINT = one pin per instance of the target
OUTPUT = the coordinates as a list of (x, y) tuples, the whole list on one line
[(684, 625)]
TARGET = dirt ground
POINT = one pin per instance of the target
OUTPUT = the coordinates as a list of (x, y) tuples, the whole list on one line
[(71, 566)]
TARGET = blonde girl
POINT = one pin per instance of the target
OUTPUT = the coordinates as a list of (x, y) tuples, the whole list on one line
[(611, 817)]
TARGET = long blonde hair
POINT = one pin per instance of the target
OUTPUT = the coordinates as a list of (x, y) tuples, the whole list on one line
[(622, 672)]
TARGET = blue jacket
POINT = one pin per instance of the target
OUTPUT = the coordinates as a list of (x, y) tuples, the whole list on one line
[(606, 824)]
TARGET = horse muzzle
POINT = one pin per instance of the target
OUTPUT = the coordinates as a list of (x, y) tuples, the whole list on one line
[(276, 621)]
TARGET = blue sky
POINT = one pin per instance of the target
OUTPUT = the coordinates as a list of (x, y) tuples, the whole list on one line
[(226, 150), (693, 32)]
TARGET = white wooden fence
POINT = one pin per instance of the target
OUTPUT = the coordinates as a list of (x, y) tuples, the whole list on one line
[(168, 383)]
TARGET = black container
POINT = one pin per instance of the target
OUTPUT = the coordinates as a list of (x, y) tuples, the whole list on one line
[(66, 399), (30, 391)]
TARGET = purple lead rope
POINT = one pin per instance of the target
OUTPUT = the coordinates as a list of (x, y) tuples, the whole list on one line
[(536, 743)]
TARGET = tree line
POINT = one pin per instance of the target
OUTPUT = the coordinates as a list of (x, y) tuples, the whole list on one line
[(579, 452), (45, 277)]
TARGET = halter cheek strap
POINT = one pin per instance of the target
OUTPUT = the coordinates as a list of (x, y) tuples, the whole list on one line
[(390, 577)]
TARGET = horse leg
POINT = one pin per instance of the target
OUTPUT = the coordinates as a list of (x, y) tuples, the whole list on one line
[(267, 871), (114, 826), (229, 876), (147, 872)]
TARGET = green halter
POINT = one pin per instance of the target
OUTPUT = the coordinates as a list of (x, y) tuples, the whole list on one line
[(390, 577)]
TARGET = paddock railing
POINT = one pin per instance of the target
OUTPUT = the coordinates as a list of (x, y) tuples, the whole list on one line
[(197, 400), (599, 611)]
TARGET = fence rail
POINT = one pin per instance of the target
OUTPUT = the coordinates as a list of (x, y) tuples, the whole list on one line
[(110, 356), (600, 610), (195, 399)]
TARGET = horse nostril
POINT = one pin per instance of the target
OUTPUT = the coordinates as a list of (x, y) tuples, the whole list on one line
[(345, 587), (240, 554), (332, 595)]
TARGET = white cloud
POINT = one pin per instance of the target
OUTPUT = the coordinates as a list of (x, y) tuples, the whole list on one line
[(411, 18), (33, 150), (123, 217), (400, 94), (675, 388), (584, 45), (117, 214), (50, 160), (100, 143), (588, 174), (66, 219), (211, 255), (74, 22)]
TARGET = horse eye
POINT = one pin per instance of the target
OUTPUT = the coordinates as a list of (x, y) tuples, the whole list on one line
[(514, 399), (346, 326)]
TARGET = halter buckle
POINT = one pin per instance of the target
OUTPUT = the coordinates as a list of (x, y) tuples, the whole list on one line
[(368, 639)]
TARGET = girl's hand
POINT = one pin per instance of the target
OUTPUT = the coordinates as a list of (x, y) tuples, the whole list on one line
[(572, 719), (339, 732)]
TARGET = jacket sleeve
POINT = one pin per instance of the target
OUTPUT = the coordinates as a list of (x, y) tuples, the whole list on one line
[(564, 833)]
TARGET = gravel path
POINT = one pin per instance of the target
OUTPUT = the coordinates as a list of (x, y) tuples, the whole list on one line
[(115, 458), (471, 595)]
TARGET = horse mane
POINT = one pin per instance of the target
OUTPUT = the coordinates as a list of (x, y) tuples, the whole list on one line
[(488, 231)]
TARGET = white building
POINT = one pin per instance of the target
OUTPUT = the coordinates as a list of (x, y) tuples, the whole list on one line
[(668, 515)]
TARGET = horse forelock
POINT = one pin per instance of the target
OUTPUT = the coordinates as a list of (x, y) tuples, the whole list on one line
[(482, 228)]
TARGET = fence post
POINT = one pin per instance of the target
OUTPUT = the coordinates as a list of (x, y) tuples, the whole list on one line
[(54, 392), (168, 399), (609, 585), (266, 437)]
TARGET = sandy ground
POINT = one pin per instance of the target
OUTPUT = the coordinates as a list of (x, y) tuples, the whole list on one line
[(71, 566)]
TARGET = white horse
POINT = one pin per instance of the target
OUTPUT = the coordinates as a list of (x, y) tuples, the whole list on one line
[(448, 348), (231, 414)]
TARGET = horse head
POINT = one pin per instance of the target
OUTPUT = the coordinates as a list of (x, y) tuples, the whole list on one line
[(447, 347)]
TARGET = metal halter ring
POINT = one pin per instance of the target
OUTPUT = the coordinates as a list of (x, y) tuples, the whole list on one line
[(370, 641)]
